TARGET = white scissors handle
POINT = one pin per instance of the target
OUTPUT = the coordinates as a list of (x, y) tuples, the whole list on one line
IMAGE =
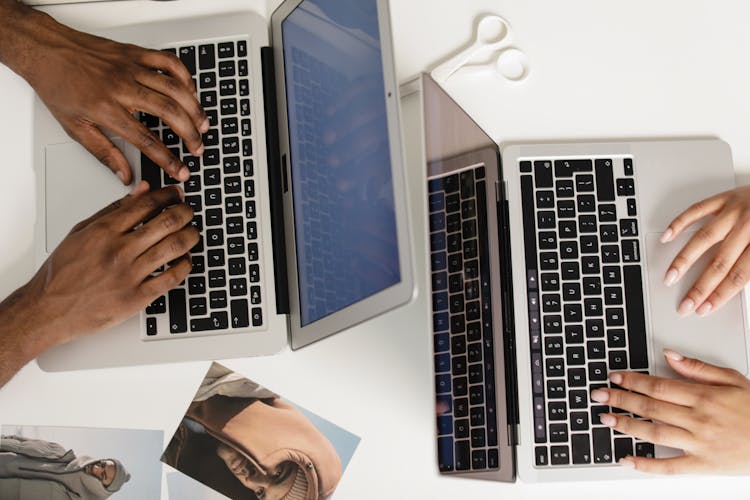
[(492, 33)]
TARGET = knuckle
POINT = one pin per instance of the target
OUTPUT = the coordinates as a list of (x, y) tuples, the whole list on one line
[(171, 221), (681, 261), (705, 235), (719, 265), (147, 140), (168, 107), (658, 387), (738, 277)]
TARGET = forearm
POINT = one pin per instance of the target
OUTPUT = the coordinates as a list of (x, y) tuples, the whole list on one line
[(22, 31), (22, 335)]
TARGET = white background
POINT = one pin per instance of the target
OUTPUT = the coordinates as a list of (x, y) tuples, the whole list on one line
[(598, 70)]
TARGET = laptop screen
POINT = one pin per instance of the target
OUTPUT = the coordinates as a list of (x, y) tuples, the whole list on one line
[(340, 163)]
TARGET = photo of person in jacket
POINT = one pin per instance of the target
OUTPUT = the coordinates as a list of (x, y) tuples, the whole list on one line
[(33, 469), (245, 442)]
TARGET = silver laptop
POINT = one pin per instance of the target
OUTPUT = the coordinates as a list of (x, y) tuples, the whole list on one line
[(546, 274), (300, 204)]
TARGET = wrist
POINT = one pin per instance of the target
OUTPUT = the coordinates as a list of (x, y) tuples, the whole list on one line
[(23, 31), (23, 326)]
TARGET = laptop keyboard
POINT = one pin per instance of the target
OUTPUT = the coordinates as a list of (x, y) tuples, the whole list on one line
[(462, 322), (585, 297), (223, 293)]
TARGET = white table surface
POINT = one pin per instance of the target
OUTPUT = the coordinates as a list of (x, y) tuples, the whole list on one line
[(598, 70)]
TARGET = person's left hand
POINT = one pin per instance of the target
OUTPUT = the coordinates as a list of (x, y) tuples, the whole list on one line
[(91, 83), (708, 417)]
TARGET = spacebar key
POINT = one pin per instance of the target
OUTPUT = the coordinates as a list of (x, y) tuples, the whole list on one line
[(636, 317)]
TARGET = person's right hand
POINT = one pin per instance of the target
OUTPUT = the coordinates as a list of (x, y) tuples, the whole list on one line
[(729, 270), (102, 272)]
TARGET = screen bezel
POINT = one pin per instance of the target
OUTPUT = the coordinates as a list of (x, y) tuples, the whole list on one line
[(394, 295)]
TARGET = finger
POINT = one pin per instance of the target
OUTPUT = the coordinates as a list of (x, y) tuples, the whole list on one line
[(703, 372), (694, 213), (135, 210), (167, 222), (156, 286), (167, 250), (731, 285), (644, 406), (673, 391), (666, 435), (729, 252), (706, 237), (138, 189), (173, 88), (684, 464), (149, 144), (170, 63), (99, 145)]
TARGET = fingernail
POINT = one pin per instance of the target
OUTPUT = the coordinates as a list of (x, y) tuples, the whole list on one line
[(667, 235), (673, 355), (183, 174), (607, 419), (200, 150), (686, 307), (616, 378), (205, 126), (600, 395), (121, 176), (671, 277), (704, 309), (627, 462)]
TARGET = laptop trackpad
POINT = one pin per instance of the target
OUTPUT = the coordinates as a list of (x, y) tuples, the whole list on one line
[(77, 186), (718, 338)]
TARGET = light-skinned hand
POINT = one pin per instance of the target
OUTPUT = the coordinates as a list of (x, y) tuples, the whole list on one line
[(707, 416), (729, 270)]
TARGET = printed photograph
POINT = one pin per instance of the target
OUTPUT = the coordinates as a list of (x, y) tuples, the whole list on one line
[(246, 442), (77, 463)]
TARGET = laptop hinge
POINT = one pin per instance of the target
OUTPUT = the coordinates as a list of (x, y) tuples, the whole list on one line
[(506, 284), (275, 176)]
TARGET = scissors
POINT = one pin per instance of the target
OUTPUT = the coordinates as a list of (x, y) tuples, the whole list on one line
[(493, 34)]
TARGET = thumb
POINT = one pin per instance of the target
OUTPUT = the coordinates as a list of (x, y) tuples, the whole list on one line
[(703, 372)]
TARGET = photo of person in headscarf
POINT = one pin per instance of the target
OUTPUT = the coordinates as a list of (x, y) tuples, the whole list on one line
[(245, 442), (32, 469)]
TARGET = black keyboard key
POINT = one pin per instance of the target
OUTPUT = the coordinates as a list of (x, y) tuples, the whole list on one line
[(247, 147), (631, 251), (211, 157), (585, 183), (581, 448), (608, 233), (560, 455), (628, 166), (226, 49), (564, 188), (605, 190), (227, 87), (615, 337), (594, 328), (632, 211), (628, 228), (570, 270), (246, 129), (245, 107), (540, 456), (240, 317), (612, 275), (230, 145), (466, 183), (558, 433), (571, 292), (217, 299), (545, 199), (644, 450), (623, 448), (151, 327), (177, 311), (618, 360), (566, 168), (237, 287), (579, 421), (478, 438), (566, 209), (610, 254), (228, 106), (198, 307), (158, 306), (595, 349), (625, 187), (602, 439), (597, 372), (206, 57), (543, 174), (233, 205), (217, 278), (607, 212), (587, 224), (207, 81), (187, 56), (636, 322), (567, 229), (445, 454), (208, 99), (463, 455)]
